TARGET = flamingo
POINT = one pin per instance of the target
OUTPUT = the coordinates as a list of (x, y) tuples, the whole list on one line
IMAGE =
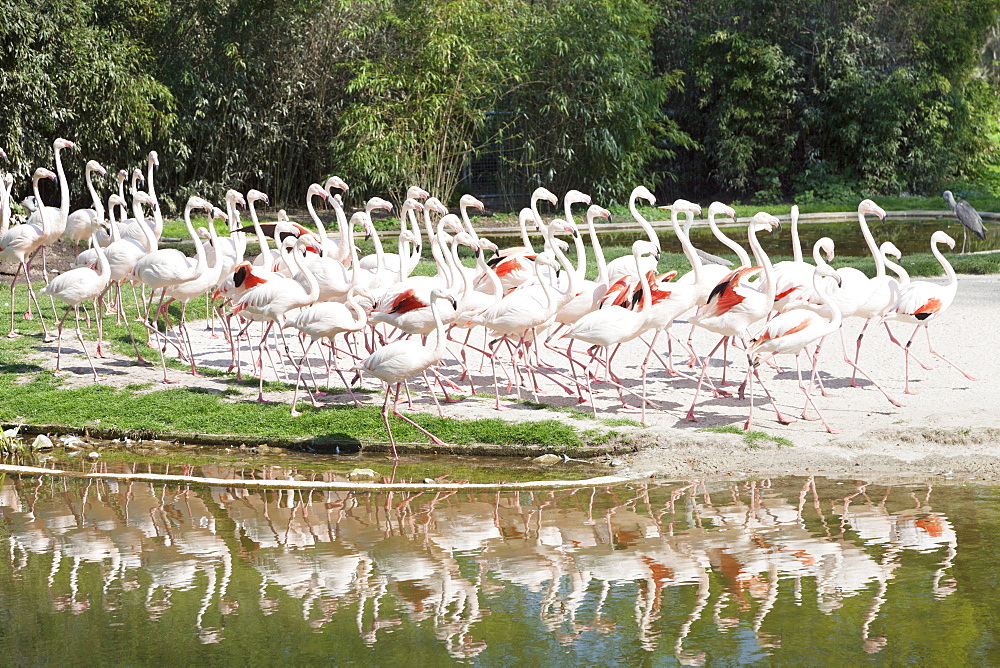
[(790, 332), (81, 223), (196, 287), (122, 254), (922, 302), (56, 216), (74, 287), (167, 266), (734, 306), (19, 243), (614, 325), (397, 361), (325, 320), (516, 313), (623, 266), (513, 265), (270, 301)]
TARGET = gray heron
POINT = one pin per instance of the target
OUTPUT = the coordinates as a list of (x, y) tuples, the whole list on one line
[(967, 215)]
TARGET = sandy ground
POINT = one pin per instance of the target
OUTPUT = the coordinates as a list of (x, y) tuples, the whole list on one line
[(950, 428)]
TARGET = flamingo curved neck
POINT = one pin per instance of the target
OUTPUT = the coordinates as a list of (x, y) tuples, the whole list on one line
[(312, 294), (495, 284), (948, 270), (595, 245), (796, 244), (151, 189), (151, 243), (324, 241), (655, 240), (647, 298), (265, 252), (522, 221), (729, 243), (826, 296), (4, 207), (689, 251), (63, 188), (201, 263), (467, 222), (98, 204), (38, 200), (439, 257), (542, 227), (358, 313), (764, 261), (872, 246)]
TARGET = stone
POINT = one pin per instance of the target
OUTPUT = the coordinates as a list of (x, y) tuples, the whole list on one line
[(547, 459), (42, 442), (93, 455), (362, 475)]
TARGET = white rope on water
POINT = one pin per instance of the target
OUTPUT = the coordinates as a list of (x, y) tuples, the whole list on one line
[(342, 486)]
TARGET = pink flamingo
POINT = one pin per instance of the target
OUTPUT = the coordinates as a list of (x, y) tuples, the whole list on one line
[(922, 302), (81, 223), (790, 332), (394, 363)]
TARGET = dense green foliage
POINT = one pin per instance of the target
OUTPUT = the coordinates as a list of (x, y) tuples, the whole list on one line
[(750, 99)]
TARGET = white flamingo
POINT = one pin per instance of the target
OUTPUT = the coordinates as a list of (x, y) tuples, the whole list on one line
[(81, 223), (397, 361), (18, 244), (75, 287), (167, 266), (326, 320)]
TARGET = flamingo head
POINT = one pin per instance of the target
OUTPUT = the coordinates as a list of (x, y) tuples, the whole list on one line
[(218, 214), (42, 173), (410, 204), (868, 206), (416, 192), (95, 166), (378, 203), (3, 154), (576, 197), (195, 202), (145, 198), (826, 245), (336, 182), (256, 196), (138, 176), (827, 271), (316, 190), (61, 143), (442, 294), (717, 208), (236, 198), (642, 192), (469, 200), (545, 194), (598, 212), (560, 225), (645, 247), (941, 237), (122, 176), (452, 221), (435, 205), (153, 159), (764, 221), (115, 200), (486, 244), (889, 248)]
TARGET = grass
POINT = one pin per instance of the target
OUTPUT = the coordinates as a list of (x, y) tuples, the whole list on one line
[(752, 439), (32, 395)]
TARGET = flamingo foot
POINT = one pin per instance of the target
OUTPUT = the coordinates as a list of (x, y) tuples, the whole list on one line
[(28, 315), (142, 360), (784, 420), (831, 430), (59, 373), (13, 335), (690, 416), (295, 413), (910, 392), (320, 393), (437, 441), (722, 394)]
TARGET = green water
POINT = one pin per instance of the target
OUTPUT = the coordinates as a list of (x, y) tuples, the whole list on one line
[(788, 572)]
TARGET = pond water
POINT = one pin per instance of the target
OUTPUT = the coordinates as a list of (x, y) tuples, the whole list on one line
[(792, 571), (910, 236)]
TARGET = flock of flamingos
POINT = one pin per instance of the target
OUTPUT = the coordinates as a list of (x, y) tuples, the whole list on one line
[(530, 302)]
